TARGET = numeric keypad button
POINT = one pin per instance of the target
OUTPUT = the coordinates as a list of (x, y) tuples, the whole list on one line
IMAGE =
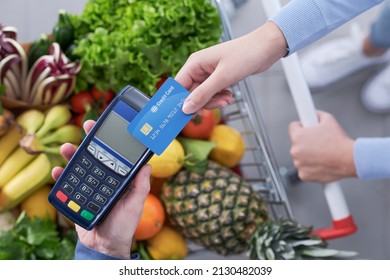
[(112, 182), (99, 198), (80, 171), (92, 181), (106, 190), (85, 189), (98, 172), (73, 179), (85, 162), (80, 198)]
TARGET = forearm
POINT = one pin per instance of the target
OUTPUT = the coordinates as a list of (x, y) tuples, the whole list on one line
[(320, 17), (269, 45), (372, 158)]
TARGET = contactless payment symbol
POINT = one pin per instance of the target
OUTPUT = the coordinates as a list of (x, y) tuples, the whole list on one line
[(146, 129)]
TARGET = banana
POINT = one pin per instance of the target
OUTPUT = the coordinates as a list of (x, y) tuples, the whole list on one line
[(32, 145), (51, 143), (13, 164), (9, 142), (31, 120), (36, 174), (67, 133), (56, 150), (55, 117)]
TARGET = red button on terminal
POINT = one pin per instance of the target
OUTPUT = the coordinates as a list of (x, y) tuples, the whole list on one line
[(61, 196)]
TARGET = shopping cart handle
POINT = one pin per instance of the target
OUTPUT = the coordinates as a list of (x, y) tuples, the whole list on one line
[(340, 228)]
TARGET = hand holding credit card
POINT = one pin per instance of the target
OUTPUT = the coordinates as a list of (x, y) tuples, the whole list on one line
[(162, 118)]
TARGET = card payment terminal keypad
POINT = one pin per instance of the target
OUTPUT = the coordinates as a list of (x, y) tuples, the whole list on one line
[(85, 194)]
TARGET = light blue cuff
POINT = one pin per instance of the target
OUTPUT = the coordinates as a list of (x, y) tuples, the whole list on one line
[(83, 252), (301, 23), (304, 21), (372, 158)]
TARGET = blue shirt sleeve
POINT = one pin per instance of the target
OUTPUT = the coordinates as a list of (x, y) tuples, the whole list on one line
[(372, 158), (305, 21), (83, 252)]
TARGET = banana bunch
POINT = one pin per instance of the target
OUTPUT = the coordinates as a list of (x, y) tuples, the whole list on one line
[(31, 149), (47, 131)]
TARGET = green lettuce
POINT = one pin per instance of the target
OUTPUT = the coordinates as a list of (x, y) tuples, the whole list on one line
[(137, 42)]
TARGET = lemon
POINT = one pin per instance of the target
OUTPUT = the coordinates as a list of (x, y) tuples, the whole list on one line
[(169, 162), (167, 244), (230, 146), (37, 204)]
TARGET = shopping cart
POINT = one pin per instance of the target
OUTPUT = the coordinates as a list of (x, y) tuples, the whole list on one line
[(259, 165)]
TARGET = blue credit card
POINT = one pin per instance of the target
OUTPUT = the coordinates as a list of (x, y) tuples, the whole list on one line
[(162, 118)]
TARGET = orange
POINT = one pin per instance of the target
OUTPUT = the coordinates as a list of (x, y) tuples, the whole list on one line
[(167, 244), (37, 204), (152, 219), (169, 162), (230, 146)]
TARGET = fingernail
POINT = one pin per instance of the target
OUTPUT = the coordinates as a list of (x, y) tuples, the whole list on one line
[(189, 106), (225, 104)]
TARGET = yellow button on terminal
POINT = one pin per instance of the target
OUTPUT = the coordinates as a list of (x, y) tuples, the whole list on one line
[(74, 206)]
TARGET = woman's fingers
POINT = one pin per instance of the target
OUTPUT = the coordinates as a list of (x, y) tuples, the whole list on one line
[(56, 172)]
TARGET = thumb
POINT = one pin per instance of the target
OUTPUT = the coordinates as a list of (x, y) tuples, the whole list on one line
[(202, 94), (293, 127)]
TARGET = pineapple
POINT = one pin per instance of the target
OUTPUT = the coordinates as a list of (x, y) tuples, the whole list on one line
[(216, 209), (219, 210), (287, 240)]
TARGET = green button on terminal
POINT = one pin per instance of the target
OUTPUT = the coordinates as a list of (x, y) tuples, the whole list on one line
[(87, 215)]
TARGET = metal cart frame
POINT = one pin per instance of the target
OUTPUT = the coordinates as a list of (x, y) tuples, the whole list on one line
[(258, 165), (269, 181)]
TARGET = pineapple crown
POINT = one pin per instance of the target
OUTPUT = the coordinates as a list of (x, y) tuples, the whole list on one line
[(287, 240)]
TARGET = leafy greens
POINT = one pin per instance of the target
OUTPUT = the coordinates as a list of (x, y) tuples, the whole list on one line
[(36, 239), (139, 41)]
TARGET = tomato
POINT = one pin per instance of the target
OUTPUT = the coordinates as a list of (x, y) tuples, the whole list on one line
[(105, 96), (160, 82), (78, 119), (102, 108), (80, 101), (200, 126)]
